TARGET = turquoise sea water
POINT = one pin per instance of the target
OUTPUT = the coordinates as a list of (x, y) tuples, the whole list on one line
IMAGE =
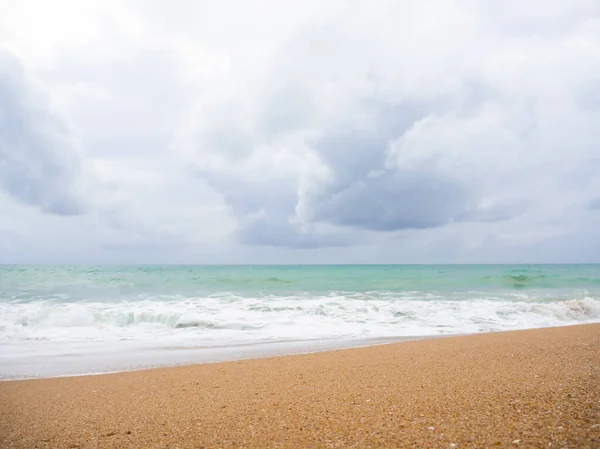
[(62, 316)]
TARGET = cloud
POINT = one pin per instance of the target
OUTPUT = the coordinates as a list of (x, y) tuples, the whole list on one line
[(40, 162), (278, 230), (595, 204), (392, 201), (125, 88), (350, 127), (436, 131)]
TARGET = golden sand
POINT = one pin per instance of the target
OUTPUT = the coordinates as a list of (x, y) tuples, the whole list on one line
[(535, 388)]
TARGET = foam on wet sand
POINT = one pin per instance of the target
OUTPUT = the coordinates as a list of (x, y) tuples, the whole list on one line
[(534, 388)]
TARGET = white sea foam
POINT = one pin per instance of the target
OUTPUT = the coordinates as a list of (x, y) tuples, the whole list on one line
[(223, 318), (40, 337)]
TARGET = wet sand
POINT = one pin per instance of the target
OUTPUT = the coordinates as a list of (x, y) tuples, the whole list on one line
[(535, 388)]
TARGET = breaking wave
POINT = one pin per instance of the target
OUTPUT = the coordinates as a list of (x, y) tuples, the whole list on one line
[(227, 317)]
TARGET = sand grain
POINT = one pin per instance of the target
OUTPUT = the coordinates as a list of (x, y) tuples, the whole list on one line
[(537, 388)]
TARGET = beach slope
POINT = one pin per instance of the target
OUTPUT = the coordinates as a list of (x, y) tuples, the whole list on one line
[(534, 388)]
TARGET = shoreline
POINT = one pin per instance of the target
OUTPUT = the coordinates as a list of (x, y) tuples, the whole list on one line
[(525, 388), (191, 356), (175, 357)]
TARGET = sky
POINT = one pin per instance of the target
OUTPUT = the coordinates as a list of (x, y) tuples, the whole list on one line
[(284, 131)]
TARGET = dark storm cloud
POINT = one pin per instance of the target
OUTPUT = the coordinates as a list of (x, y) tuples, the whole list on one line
[(39, 162), (362, 189), (393, 201), (365, 192)]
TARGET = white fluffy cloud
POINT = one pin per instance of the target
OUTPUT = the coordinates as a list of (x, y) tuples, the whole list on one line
[(432, 131)]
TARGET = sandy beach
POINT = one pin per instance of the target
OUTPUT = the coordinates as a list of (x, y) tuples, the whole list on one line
[(533, 388)]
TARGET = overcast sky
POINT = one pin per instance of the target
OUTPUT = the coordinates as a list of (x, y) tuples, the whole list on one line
[(276, 131)]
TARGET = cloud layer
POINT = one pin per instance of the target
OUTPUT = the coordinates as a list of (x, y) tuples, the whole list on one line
[(439, 131)]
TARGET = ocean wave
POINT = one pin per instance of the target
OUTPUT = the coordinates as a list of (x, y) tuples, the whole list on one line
[(304, 316)]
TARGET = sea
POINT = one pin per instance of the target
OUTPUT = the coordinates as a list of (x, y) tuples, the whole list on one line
[(75, 320)]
